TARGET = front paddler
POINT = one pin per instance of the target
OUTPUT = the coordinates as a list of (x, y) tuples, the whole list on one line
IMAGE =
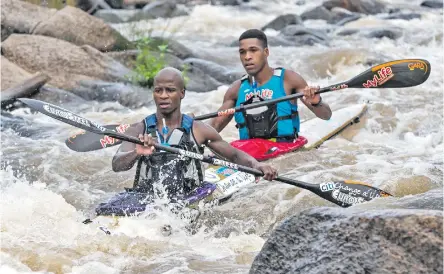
[(168, 126)]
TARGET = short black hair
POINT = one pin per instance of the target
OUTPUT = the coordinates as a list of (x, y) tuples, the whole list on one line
[(255, 33)]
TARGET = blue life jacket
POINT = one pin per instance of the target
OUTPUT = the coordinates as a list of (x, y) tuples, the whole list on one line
[(280, 121), (176, 174)]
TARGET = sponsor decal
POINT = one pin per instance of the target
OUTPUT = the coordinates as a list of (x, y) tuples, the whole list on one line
[(191, 154), (225, 171), (338, 87), (382, 76), (75, 135), (418, 65), (226, 112), (98, 126), (65, 114), (346, 198), (211, 176), (327, 186), (219, 162), (122, 128), (106, 140), (263, 93), (233, 182)]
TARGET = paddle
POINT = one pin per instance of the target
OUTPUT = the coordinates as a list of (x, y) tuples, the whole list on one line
[(342, 193), (394, 74)]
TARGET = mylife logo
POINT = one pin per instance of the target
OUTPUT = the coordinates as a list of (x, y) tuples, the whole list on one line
[(384, 74), (263, 93), (122, 128), (106, 140), (226, 112), (413, 66)]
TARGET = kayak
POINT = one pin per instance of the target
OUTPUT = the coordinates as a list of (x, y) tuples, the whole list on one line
[(220, 183), (313, 133)]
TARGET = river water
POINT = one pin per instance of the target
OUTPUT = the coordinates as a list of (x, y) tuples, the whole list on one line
[(48, 190)]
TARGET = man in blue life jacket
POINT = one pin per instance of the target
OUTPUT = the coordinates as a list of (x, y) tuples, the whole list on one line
[(179, 175), (279, 121)]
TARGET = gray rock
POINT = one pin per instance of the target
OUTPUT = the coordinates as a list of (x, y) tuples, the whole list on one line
[(125, 93), (282, 21), (216, 71), (377, 32), (199, 81), (361, 6), (304, 36), (160, 9), (174, 47), (434, 4), (355, 240), (318, 13), (115, 16), (402, 16), (226, 2)]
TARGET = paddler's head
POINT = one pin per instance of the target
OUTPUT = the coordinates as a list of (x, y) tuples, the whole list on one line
[(169, 90), (253, 50)]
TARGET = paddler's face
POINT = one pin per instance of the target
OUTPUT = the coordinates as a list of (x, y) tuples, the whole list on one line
[(168, 93), (253, 55)]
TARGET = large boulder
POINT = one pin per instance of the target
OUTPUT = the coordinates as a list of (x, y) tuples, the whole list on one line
[(12, 74), (355, 240), (282, 21), (216, 71), (22, 17), (78, 27), (65, 63), (361, 6)]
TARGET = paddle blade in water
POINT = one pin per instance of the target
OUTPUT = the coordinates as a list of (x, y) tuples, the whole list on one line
[(348, 193), (88, 141), (393, 74)]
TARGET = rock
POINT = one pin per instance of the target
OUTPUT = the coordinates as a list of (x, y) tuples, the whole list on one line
[(128, 58), (226, 2), (115, 4), (348, 19), (159, 9), (58, 96), (282, 21), (22, 17), (361, 6), (401, 16), (216, 71), (303, 35), (376, 32), (116, 16), (355, 240), (12, 74), (341, 15), (125, 93), (174, 47), (434, 4), (78, 27), (64, 62), (199, 81), (317, 13)]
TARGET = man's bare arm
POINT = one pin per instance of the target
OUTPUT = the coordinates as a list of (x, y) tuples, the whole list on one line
[(126, 156), (293, 81), (230, 98)]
